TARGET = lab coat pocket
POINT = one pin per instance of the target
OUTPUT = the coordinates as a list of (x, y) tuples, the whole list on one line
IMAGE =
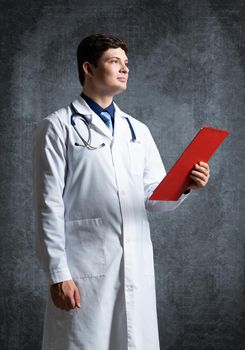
[(85, 247), (136, 155)]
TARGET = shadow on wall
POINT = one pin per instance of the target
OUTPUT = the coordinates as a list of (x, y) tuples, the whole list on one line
[(184, 56), (22, 315)]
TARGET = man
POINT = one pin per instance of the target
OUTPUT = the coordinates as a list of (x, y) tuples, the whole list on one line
[(94, 168)]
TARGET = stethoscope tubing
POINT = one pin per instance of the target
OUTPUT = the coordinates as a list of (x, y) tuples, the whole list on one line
[(87, 122), (87, 144)]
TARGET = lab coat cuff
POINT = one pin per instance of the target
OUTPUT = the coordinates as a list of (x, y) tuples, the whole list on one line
[(161, 206), (60, 276), (184, 196)]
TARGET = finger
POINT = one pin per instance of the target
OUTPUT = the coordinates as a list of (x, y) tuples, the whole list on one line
[(205, 165), (55, 298), (201, 169), (199, 175), (77, 297), (198, 181), (59, 304), (63, 307), (70, 301), (67, 307)]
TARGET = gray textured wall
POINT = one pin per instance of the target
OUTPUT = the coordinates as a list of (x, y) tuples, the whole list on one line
[(186, 70)]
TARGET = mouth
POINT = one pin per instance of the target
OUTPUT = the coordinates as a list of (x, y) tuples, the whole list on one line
[(122, 79)]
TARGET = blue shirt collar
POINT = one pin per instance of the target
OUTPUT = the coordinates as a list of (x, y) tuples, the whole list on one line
[(97, 108)]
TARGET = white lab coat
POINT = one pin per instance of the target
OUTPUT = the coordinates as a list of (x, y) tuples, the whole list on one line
[(92, 227)]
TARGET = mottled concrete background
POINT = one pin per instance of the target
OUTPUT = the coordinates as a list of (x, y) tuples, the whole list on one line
[(186, 70)]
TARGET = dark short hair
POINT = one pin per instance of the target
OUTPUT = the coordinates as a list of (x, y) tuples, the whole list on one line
[(92, 48)]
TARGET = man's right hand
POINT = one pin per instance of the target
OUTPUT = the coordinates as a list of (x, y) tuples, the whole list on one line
[(65, 295)]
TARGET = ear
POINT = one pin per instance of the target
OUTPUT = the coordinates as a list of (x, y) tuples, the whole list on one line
[(88, 69)]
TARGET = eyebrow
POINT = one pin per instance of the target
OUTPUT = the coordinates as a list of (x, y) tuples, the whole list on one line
[(117, 58)]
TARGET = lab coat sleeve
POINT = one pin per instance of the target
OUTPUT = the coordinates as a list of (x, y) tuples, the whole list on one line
[(49, 169), (154, 172)]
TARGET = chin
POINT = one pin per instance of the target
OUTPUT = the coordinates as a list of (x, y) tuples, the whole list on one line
[(118, 89)]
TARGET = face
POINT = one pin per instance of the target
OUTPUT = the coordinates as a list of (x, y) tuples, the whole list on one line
[(111, 74)]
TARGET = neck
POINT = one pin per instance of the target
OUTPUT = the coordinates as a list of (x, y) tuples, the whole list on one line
[(102, 100)]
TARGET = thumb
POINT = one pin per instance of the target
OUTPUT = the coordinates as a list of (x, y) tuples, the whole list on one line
[(77, 297)]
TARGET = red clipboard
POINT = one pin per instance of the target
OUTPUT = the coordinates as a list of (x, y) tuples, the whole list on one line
[(201, 148)]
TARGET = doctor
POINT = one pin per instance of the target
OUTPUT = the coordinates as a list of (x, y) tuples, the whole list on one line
[(92, 176)]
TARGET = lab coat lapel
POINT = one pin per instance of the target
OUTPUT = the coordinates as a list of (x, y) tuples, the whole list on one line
[(121, 129), (83, 108)]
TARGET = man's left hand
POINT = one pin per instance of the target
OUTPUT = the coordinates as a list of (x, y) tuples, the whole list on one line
[(200, 176)]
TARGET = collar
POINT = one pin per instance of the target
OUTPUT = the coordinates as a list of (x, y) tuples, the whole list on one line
[(82, 107), (97, 108)]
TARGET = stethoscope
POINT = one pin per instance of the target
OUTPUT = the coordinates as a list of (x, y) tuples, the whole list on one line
[(87, 119)]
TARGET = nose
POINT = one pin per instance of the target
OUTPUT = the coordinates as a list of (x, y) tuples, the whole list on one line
[(124, 69)]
